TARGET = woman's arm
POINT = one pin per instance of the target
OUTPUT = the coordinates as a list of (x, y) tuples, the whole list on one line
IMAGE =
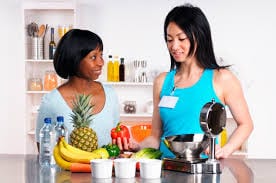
[(230, 92)]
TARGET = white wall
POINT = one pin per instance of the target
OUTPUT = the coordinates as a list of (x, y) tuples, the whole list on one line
[(12, 137), (243, 35)]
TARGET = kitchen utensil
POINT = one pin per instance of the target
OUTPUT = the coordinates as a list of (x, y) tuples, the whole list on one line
[(213, 118), (188, 146), (37, 48), (41, 30), (212, 121)]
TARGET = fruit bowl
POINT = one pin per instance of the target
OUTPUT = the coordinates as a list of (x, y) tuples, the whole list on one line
[(187, 146)]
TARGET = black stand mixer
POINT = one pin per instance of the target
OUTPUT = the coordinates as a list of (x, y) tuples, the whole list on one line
[(188, 148)]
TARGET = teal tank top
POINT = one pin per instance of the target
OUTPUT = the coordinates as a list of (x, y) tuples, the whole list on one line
[(184, 118)]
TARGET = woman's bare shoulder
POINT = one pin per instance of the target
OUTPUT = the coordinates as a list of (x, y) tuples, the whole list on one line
[(158, 81), (225, 76)]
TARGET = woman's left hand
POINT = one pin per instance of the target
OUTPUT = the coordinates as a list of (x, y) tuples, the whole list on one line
[(222, 152), (126, 144)]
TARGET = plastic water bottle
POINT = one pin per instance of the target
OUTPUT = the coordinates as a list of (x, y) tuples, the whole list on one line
[(47, 142), (60, 129)]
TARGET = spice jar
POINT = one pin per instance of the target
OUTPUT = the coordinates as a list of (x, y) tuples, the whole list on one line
[(130, 107), (50, 80), (35, 84)]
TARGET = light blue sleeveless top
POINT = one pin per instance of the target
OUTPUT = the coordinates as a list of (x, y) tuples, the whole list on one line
[(53, 105), (184, 118)]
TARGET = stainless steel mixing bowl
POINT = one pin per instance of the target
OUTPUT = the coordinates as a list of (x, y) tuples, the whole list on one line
[(187, 146)]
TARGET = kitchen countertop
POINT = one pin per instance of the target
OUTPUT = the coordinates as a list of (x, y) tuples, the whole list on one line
[(25, 169)]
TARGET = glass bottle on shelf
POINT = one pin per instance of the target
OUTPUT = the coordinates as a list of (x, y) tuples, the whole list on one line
[(110, 69), (52, 44), (122, 70), (116, 69)]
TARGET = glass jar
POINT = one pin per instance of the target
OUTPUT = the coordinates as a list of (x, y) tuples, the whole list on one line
[(35, 84), (50, 80), (130, 107)]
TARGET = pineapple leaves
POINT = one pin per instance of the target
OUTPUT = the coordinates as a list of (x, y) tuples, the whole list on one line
[(82, 111)]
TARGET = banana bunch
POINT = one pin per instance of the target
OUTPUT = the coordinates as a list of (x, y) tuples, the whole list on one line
[(65, 154)]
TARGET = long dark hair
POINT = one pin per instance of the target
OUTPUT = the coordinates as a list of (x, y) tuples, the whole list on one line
[(196, 26)]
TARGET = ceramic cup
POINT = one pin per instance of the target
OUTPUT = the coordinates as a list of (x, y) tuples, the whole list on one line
[(125, 167), (101, 168), (150, 168)]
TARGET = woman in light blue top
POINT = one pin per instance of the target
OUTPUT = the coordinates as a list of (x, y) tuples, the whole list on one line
[(78, 58), (194, 79)]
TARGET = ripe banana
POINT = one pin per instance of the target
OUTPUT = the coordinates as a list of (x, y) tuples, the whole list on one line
[(75, 157), (59, 160), (74, 149)]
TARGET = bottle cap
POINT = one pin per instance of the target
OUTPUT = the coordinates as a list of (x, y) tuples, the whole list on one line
[(122, 60), (60, 119), (47, 120), (109, 56)]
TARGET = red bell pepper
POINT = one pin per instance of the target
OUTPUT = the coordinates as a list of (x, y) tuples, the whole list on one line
[(120, 131)]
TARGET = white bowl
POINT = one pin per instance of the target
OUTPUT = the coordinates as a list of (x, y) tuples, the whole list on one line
[(125, 167), (150, 168), (101, 168)]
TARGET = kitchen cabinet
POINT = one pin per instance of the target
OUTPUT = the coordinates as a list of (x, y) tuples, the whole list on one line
[(41, 12)]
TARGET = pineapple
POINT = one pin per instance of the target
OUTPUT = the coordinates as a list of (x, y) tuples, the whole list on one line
[(82, 136)]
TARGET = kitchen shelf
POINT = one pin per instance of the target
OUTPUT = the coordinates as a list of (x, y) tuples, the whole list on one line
[(136, 115), (39, 61), (54, 13), (31, 132), (129, 83), (53, 5), (37, 92)]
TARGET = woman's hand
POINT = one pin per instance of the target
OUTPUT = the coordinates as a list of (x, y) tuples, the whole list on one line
[(126, 144), (221, 152)]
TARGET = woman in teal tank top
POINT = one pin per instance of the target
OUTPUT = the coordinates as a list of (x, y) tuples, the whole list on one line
[(194, 79), (184, 117)]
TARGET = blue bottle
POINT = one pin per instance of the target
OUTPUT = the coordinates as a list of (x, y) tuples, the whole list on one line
[(61, 129), (47, 141)]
